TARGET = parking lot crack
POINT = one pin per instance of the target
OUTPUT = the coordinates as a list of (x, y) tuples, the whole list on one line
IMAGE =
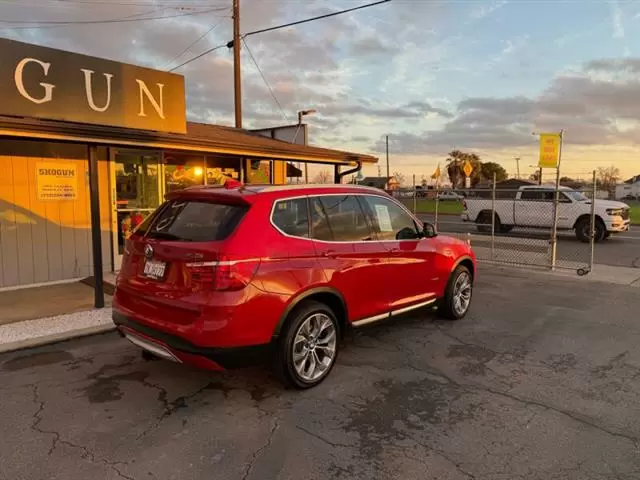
[(169, 408), (528, 402), (58, 440), (323, 439), (260, 451)]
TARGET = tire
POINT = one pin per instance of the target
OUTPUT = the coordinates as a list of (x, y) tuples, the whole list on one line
[(448, 307), (299, 327), (484, 223), (506, 228), (583, 230)]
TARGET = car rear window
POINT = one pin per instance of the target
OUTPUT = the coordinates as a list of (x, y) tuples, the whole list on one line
[(194, 221)]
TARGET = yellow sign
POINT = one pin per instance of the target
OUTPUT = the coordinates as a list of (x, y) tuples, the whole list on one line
[(467, 168), (57, 181), (549, 150)]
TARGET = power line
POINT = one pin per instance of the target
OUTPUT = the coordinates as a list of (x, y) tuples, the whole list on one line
[(230, 44), (320, 17), (264, 79), (206, 52), (53, 24), (192, 44)]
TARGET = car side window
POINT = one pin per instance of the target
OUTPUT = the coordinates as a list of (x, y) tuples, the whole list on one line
[(345, 217), (389, 220), (320, 229), (531, 195), (292, 217)]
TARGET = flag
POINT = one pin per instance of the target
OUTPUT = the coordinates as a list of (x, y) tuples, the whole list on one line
[(436, 174)]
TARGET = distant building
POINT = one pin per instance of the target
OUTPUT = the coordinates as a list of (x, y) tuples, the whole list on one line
[(630, 187)]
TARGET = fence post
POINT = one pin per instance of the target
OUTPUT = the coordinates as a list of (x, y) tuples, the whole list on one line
[(415, 207), (556, 201), (493, 216), (592, 239), (437, 201)]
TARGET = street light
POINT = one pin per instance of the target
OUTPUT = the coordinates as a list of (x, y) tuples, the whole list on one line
[(304, 113)]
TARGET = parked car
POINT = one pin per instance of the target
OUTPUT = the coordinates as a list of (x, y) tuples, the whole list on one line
[(450, 195), (630, 197), (220, 277), (533, 207)]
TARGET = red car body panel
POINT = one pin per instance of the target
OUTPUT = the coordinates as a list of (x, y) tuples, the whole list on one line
[(217, 329)]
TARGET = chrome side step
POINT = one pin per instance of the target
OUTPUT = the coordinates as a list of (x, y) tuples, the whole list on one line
[(392, 313)]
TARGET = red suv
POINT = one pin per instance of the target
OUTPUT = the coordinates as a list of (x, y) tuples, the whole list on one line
[(228, 276)]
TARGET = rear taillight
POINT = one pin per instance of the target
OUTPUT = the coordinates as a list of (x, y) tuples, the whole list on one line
[(222, 275)]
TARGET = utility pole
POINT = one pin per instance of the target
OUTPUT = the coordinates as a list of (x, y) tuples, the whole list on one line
[(518, 168), (236, 63), (388, 175)]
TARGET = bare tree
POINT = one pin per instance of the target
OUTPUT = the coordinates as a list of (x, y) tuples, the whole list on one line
[(608, 177), (324, 176), (400, 178)]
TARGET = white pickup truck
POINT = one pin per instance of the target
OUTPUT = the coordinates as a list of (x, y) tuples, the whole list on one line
[(532, 207)]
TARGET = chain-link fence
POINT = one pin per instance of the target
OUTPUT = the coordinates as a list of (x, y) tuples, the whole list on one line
[(524, 224)]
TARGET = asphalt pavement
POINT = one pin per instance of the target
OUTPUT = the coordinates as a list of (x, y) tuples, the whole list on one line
[(541, 381), (620, 250)]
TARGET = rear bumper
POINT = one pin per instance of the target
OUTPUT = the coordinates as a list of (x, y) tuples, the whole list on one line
[(167, 345)]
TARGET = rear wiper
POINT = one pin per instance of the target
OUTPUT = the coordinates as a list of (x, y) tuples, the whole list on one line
[(167, 236)]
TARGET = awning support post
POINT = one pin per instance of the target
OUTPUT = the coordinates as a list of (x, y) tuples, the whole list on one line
[(96, 232), (339, 176)]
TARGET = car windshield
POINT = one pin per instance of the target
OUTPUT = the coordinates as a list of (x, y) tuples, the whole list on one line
[(576, 196)]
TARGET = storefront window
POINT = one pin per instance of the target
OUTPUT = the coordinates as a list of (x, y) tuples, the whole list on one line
[(259, 171), (181, 171), (221, 168), (137, 192)]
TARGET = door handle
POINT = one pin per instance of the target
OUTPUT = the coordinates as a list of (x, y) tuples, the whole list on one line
[(329, 254)]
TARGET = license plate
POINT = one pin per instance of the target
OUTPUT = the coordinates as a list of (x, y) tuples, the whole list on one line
[(154, 269)]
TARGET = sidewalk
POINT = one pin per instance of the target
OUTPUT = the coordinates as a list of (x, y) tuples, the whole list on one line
[(36, 316)]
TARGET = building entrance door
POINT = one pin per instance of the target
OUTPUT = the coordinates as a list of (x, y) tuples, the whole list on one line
[(136, 193)]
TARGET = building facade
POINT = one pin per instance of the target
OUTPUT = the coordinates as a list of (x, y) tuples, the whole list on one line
[(81, 164)]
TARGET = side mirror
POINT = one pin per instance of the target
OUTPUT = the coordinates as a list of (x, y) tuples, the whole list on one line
[(429, 230)]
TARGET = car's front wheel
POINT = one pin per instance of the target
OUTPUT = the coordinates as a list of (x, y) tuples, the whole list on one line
[(309, 348), (457, 297)]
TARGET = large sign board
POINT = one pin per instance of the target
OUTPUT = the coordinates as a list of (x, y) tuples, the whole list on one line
[(46, 83), (549, 150)]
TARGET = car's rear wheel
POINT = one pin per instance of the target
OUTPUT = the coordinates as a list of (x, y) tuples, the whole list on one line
[(457, 296), (309, 347)]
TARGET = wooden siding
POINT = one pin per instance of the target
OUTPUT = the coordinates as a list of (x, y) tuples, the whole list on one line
[(47, 241)]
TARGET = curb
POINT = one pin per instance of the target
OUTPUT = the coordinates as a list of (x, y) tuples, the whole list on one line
[(56, 338)]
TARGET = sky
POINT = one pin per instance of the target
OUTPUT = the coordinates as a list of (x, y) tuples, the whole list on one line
[(474, 75)]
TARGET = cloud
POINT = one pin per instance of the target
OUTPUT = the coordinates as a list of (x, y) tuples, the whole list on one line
[(487, 9), (616, 19), (592, 111)]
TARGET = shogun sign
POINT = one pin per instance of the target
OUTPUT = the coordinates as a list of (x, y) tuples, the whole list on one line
[(53, 84)]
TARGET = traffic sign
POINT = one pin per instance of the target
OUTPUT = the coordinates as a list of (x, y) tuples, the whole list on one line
[(467, 168)]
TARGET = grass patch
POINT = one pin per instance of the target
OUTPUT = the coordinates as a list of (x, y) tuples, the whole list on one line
[(426, 205), (635, 212)]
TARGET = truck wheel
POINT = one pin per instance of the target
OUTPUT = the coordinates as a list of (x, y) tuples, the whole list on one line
[(583, 230), (484, 222), (506, 228)]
